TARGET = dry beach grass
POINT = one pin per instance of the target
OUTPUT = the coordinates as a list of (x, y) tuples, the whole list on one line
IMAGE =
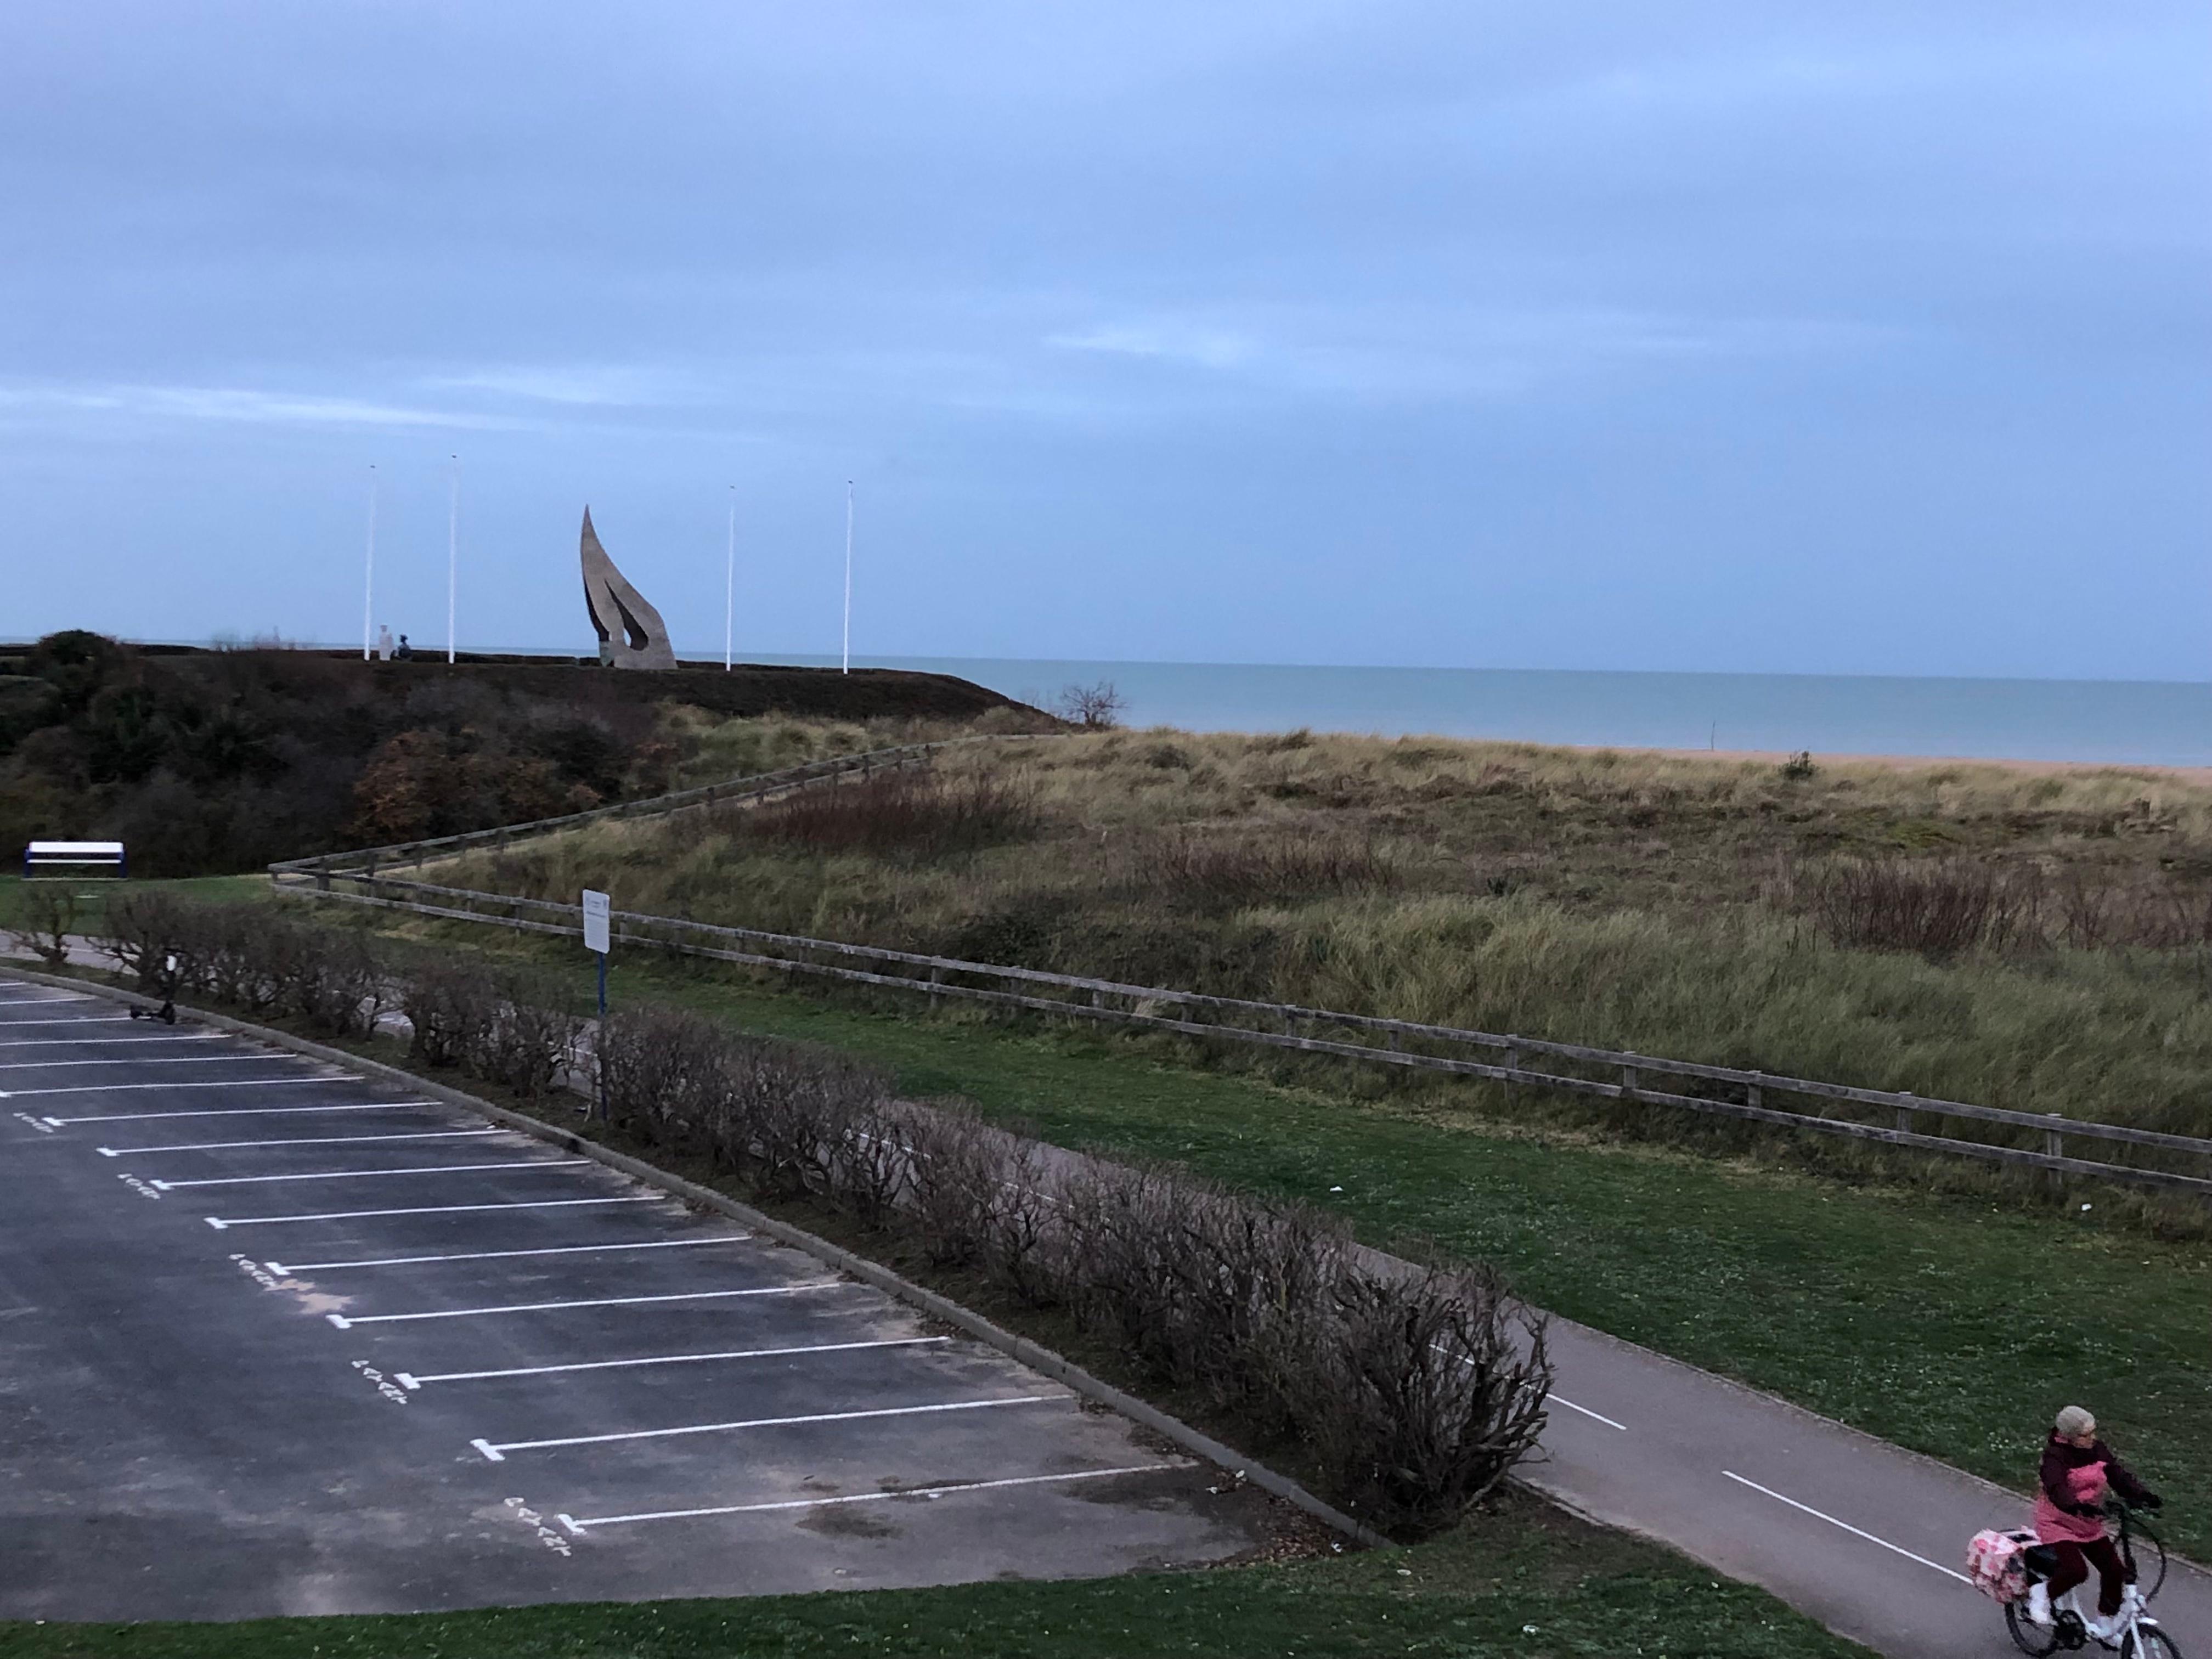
[(2036, 940)]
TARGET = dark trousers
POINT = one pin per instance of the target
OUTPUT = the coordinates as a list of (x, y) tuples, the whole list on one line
[(2073, 1569)]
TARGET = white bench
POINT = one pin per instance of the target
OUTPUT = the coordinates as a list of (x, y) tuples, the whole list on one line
[(62, 860)]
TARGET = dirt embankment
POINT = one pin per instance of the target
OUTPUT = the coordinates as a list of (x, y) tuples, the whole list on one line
[(205, 761), (747, 689)]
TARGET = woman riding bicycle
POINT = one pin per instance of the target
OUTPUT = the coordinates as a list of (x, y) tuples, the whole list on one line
[(2078, 1472)]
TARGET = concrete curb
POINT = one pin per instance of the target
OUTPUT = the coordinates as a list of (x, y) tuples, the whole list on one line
[(1019, 1348)]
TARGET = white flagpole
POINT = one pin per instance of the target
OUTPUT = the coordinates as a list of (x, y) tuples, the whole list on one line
[(848, 578), (453, 555), (368, 574), (730, 583)]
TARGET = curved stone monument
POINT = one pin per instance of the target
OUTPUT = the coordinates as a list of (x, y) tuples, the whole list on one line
[(631, 633)]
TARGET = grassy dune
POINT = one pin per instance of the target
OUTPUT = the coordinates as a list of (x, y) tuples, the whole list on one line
[(1667, 904)]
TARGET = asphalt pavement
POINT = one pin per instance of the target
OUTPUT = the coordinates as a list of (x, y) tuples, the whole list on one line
[(275, 1339), (1866, 1537), (160, 1425)]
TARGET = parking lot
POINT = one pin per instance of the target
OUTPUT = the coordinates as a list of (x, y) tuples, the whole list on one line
[(275, 1339)]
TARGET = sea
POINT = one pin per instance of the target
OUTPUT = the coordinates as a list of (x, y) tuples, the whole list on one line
[(2124, 722), (2143, 722)]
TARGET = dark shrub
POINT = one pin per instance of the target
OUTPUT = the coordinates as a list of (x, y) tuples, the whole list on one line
[(452, 1006), (1221, 872), (919, 813), (1427, 1391), (1413, 1390), (1935, 907)]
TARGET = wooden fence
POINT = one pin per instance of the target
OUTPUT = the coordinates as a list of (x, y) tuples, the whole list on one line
[(2169, 1162), (761, 786)]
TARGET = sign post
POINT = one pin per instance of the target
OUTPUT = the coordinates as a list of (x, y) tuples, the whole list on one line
[(598, 935)]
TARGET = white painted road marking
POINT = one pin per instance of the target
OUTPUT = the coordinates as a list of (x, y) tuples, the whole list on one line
[(497, 1451), (489, 1256), (171, 1059), (1847, 1527), (408, 1380), (219, 1222), (344, 1323), (33, 1002), (81, 1019), (325, 1078), (310, 1141), (86, 1042), (577, 1527), (354, 1174), (244, 1111), (1562, 1399)]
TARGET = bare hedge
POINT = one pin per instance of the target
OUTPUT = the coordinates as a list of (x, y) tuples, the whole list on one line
[(1411, 1392)]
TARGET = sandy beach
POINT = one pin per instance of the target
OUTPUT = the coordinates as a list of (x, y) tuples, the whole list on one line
[(2198, 775)]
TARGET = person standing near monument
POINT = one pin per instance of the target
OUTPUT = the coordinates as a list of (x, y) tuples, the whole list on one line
[(384, 642)]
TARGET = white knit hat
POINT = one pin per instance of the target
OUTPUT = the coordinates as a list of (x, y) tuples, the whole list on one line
[(2075, 1420)]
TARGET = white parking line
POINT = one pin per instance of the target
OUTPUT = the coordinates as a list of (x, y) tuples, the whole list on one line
[(32, 1002), (496, 1452), (408, 1380), (241, 1111), (86, 1042), (309, 1141), (577, 1527), (172, 1060), (227, 1083), (1562, 1399), (345, 1323), (352, 1175), (220, 1222), (490, 1255), (1847, 1527), (81, 1019)]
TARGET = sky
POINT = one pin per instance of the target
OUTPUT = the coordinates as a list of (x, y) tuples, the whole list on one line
[(1849, 338)]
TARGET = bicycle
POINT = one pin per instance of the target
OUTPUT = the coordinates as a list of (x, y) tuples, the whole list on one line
[(2135, 1634)]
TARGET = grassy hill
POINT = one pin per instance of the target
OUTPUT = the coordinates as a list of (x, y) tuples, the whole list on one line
[(2038, 942), (210, 761)]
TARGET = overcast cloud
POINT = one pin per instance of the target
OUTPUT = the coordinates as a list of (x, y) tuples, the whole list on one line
[(1858, 338)]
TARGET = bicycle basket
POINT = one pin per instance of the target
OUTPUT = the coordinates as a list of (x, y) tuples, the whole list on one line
[(1996, 1562)]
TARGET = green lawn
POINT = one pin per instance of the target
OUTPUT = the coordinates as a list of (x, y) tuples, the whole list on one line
[(1521, 1580), (1948, 1325)]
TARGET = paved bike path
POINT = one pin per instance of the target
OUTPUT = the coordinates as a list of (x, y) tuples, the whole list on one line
[(1866, 1537)]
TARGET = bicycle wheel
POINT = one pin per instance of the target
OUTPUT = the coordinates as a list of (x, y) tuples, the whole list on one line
[(2149, 1645), (2027, 1635), (2148, 1551)]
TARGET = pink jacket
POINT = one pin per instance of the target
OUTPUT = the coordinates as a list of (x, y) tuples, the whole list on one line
[(2085, 1484)]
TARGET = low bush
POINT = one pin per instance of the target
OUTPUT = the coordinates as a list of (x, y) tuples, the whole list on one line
[(1944, 908), (507, 1025), (1937, 907), (41, 916), (912, 813), (1218, 872), (1412, 1392)]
